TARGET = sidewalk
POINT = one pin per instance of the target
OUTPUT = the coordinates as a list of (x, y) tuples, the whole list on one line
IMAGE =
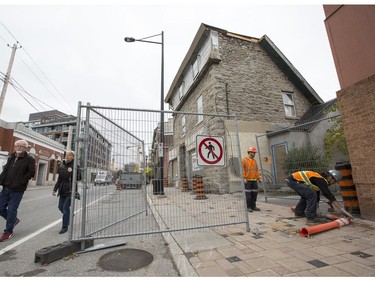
[(273, 247)]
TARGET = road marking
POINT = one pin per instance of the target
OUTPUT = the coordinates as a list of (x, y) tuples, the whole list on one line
[(19, 242)]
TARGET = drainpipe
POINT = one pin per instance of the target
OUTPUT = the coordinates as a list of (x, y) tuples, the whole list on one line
[(227, 96)]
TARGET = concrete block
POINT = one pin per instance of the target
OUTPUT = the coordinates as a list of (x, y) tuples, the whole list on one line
[(53, 253)]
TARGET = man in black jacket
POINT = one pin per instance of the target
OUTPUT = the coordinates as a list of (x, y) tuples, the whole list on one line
[(17, 172)]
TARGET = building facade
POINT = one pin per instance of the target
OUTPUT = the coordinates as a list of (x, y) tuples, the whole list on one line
[(61, 128), (351, 34), (46, 152), (229, 73)]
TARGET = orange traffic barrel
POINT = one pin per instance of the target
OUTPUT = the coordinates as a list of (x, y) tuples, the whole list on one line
[(194, 182), (347, 188), (165, 182), (199, 190), (185, 185)]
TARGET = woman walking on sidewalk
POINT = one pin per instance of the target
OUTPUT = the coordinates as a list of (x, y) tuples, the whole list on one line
[(64, 187)]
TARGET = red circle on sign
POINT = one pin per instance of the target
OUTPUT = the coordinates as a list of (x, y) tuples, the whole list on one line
[(201, 155)]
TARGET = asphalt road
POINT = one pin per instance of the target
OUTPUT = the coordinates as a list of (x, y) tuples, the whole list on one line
[(39, 227)]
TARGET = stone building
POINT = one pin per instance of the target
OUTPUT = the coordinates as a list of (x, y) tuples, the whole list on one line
[(229, 73)]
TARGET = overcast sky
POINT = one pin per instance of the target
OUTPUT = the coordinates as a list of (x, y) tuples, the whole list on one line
[(73, 53)]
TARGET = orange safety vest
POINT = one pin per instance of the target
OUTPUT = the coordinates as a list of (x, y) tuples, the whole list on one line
[(250, 169), (304, 176)]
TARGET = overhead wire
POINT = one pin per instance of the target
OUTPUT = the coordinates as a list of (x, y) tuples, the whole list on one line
[(36, 76), (17, 86)]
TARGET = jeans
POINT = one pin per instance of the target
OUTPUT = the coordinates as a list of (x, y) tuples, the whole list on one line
[(9, 203), (308, 203), (251, 191), (64, 207)]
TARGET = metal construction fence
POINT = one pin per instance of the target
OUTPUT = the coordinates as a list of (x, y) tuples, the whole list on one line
[(122, 163), (314, 146)]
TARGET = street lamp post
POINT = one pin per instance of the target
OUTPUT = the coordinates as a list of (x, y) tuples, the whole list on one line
[(161, 138)]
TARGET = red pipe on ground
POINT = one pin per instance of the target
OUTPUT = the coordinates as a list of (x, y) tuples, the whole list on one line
[(324, 226)]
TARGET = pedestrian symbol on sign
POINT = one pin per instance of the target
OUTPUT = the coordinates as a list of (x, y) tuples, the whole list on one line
[(210, 151)]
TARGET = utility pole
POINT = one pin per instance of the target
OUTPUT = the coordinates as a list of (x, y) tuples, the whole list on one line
[(7, 76)]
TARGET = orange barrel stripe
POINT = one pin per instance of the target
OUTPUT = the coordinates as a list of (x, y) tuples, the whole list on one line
[(347, 188), (194, 181), (165, 182), (200, 194), (185, 186)]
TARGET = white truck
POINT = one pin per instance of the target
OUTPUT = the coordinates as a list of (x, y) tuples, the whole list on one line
[(103, 178)]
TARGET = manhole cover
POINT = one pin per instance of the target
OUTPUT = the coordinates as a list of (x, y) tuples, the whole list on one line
[(125, 260)]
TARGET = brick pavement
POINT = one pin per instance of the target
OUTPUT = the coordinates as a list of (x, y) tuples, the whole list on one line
[(273, 247)]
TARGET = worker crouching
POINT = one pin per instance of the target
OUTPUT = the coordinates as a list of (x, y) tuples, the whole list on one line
[(308, 185)]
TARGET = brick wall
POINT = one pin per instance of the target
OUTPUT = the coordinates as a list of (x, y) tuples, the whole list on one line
[(357, 104)]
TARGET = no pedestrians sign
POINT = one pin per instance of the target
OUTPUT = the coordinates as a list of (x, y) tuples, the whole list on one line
[(210, 151)]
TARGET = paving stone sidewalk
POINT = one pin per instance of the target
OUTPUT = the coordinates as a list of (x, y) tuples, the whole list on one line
[(274, 247)]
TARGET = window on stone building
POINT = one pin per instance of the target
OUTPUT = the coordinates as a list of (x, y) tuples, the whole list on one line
[(181, 91), (288, 101), (195, 66), (183, 124), (200, 109)]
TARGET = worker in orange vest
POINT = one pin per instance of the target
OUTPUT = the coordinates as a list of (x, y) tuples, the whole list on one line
[(308, 185), (251, 177)]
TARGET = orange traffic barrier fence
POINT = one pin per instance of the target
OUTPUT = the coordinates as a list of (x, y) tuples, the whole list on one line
[(340, 222), (199, 190)]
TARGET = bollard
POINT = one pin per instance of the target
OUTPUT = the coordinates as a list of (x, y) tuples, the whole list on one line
[(199, 190), (185, 187)]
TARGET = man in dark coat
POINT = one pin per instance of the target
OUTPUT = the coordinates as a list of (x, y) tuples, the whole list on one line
[(17, 172)]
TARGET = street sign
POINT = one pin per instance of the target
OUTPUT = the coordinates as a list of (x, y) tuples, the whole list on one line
[(160, 150), (210, 151)]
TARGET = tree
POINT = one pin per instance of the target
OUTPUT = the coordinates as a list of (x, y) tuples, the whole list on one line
[(334, 139), (306, 158)]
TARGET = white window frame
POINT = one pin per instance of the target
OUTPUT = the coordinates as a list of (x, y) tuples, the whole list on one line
[(199, 109), (181, 91), (289, 107), (183, 124), (195, 67)]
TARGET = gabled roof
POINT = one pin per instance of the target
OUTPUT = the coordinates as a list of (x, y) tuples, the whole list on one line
[(316, 112), (306, 122), (265, 42)]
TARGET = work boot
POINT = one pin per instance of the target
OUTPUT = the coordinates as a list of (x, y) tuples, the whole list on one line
[(256, 209), (316, 221), (299, 216), (63, 230)]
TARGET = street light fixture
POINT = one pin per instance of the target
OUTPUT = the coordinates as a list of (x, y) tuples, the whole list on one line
[(161, 138)]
